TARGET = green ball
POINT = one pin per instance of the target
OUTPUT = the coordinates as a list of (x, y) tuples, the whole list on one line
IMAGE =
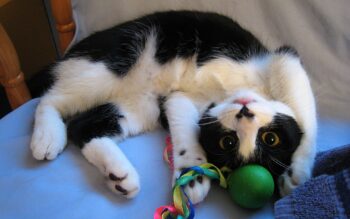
[(250, 186)]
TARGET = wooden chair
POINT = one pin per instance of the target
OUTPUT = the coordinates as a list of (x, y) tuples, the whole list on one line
[(11, 76)]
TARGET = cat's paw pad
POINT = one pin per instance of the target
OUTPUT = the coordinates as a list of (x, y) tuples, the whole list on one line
[(289, 180), (198, 189), (48, 140), (126, 184)]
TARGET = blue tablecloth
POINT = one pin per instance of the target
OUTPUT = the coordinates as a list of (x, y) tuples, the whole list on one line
[(70, 187)]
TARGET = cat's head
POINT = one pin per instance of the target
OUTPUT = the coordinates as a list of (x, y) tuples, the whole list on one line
[(248, 128)]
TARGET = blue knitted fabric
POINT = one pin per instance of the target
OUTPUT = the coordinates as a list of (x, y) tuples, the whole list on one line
[(326, 195)]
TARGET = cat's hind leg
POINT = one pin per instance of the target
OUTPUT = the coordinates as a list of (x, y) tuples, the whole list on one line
[(93, 131), (97, 131), (120, 174)]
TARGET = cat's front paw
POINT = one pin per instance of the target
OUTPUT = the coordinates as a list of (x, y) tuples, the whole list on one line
[(185, 157), (197, 189), (291, 179), (49, 139)]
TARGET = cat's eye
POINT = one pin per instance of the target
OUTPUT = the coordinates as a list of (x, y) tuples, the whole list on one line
[(270, 138), (227, 142)]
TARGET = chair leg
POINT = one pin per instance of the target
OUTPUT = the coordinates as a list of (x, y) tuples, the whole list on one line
[(63, 14), (11, 76)]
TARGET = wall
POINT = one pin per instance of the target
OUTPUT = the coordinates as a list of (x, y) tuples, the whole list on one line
[(27, 25)]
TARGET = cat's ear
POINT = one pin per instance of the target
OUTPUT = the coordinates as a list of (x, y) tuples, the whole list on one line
[(286, 49), (290, 51)]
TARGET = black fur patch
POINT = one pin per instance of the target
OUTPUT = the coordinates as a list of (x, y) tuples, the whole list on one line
[(290, 135), (42, 81), (287, 50), (118, 47), (184, 33), (178, 34), (99, 121), (211, 131)]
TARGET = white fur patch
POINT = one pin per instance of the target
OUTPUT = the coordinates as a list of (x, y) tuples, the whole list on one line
[(80, 85)]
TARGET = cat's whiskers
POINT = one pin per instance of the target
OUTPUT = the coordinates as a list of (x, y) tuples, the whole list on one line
[(208, 123), (278, 162), (217, 119)]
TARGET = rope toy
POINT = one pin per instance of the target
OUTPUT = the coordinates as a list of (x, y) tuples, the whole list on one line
[(183, 208), (250, 186)]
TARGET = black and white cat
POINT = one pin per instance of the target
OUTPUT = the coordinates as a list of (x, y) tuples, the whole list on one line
[(223, 95)]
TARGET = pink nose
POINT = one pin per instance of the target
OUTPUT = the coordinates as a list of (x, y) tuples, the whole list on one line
[(243, 101)]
